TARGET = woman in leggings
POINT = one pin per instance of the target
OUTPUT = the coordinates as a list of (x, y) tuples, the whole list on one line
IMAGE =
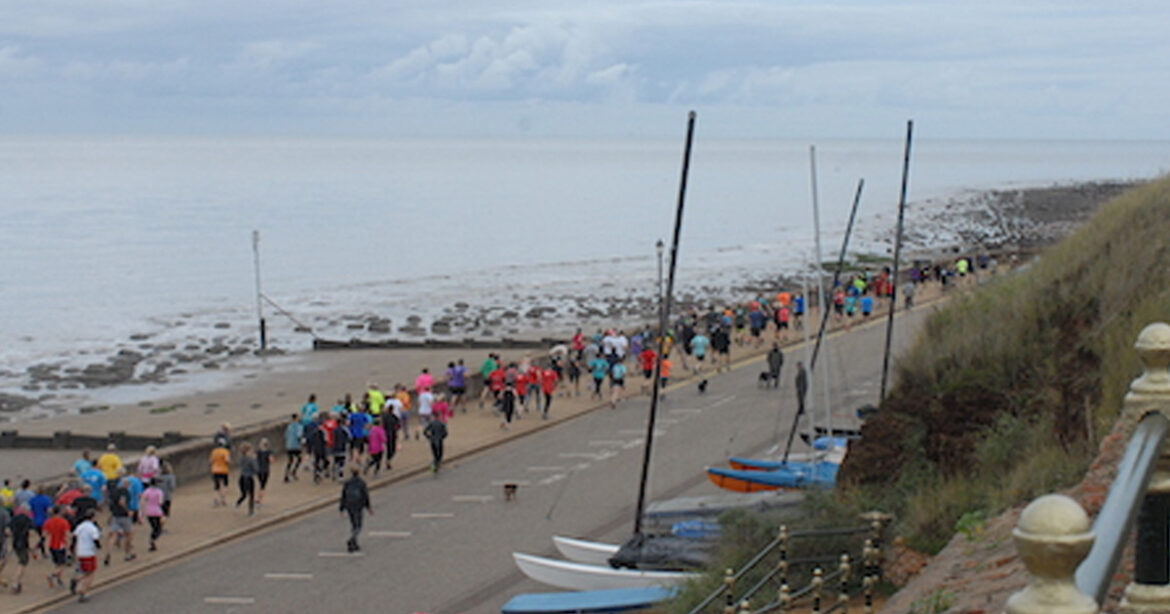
[(248, 471)]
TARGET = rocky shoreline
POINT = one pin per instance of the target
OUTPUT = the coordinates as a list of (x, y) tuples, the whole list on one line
[(992, 220)]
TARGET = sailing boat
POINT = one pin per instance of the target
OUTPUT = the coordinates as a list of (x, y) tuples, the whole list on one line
[(625, 566)]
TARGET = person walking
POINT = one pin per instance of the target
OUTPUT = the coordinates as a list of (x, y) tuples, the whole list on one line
[(436, 432), (377, 441), (167, 482), (355, 498), (247, 480), (775, 362), (507, 405), (263, 468), (86, 543), (121, 526), (801, 387), (152, 500), (221, 464), (294, 436), (20, 526)]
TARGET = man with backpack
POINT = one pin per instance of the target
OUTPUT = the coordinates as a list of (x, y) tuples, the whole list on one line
[(354, 498)]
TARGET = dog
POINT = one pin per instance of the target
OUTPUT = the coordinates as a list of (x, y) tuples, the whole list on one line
[(765, 380), (509, 492), (702, 386)]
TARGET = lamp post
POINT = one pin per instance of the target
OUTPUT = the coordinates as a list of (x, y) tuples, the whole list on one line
[(660, 247)]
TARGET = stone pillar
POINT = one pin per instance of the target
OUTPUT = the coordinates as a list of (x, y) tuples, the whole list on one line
[(1052, 536), (1150, 590)]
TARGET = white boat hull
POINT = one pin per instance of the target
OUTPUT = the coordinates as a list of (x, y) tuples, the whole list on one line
[(582, 577), (581, 551)]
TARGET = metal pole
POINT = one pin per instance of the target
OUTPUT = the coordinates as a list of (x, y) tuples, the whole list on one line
[(662, 315), (259, 302), (897, 258), (812, 158)]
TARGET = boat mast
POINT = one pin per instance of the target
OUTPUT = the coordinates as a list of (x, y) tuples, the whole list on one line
[(663, 315), (897, 259), (812, 159)]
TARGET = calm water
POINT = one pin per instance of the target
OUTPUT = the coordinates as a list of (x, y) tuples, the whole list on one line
[(103, 238)]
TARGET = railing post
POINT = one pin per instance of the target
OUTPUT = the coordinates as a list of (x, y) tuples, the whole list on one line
[(845, 567), (1150, 589), (1053, 536), (818, 582), (868, 580), (729, 591)]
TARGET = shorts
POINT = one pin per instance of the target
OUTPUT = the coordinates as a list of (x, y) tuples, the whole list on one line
[(665, 381), (614, 383), (755, 332), (726, 350), (699, 357), (293, 453), (121, 524), (865, 313), (457, 389), (648, 373), (87, 564), (782, 325), (358, 443), (839, 308), (219, 480), (60, 558), (21, 556)]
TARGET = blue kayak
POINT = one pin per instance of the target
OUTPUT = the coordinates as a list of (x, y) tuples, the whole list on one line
[(815, 475), (696, 529), (611, 600)]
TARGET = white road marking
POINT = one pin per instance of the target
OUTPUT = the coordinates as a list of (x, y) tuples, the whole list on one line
[(606, 442), (230, 600), (432, 515), (547, 468), (506, 482), (556, 477), (589, 455), (397, 534), (472, 498), (634, 444), (340, 555), (657, 432), (288, 576), (686, 411), (723, 401)]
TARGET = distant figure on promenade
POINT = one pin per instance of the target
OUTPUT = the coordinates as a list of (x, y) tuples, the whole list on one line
[(436, 432), (149, 464), (221, 463), (294, 437), (801, 387), (121, 525), (86, 542), (507, 405), (263, 468), (617, 383), (775, 362), (355, 498), (424, 381), (485, 371), (249, 469), (110, 464), (548, 385), (152, 506), (309, 410), (457, 385), (223, 437), (317, 441), (377, 440)]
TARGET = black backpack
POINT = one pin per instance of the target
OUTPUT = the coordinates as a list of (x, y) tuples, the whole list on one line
[(353, 494)]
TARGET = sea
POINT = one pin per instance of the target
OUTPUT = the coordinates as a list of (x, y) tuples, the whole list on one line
[(115, 243)]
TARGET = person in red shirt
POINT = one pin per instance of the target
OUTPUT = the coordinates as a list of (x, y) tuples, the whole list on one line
[(548, 385), (330, 425), (521, 386), (57, 529), (533, 397), (496, 382), (646, 361)]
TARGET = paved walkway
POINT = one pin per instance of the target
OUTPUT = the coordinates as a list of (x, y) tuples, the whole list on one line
[(196, 526)]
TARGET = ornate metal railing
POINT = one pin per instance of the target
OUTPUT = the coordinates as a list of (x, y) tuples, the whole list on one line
[(1073, 564)]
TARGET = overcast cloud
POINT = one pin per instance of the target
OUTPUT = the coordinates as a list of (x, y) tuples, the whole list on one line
[(992, 68)]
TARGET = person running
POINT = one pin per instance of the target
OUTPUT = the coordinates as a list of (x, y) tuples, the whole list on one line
[(221, 464), (436, 432), (664, 374), (507, 405), (721, 342), (83, 464), (426, 410), (442, 408), (148, 465), (485, 371), (521, 384), (309, 410), (866, 306), (263, 468), (20, 527), (617, 383), (405, 408), (249, 469), (377, 441), (782, 317), (775, 362), (457, 385), (110, 464), (574, 373), (798, 311), (318, 443), (57, 529), (390, 425), (359, 423), (598, 368), (86, 543), (355, 498), (646, 360), (699, 345), (121, 526), (40, 505), (5, 518), (294, 436), (152, 507), (375, 399), (548, 385), (167, 482), (340, 448)]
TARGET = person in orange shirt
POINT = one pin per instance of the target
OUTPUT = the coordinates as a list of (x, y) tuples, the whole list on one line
[(665, 375), (221, 463), (784, 297)]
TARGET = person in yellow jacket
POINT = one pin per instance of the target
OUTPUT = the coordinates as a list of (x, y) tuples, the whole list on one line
[(110, 464)]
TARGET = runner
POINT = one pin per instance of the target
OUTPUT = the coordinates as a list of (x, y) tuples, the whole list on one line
[(340, 448), (221, 462), (309, 410), (758, 321), (152, 507), (375, 400), (646, 360), (355, 497), (436, 432), (548, 385), (359, 423), (83, 464), (866, 306), (317, 441), (574, 371), (457, 385), (109, 463), (19, 527), (507, 405), (426, 410), (599, 368), (294, 435), (5, 518), (148, 465), (424, 381), (57, 529), (782, 317), (485, 371), (167, 483), (664, 372), (798, 311), (86, 542), (721, 341), (40, 505), (775, 362), (377, 439), (699, 345), (249, 468), (442, 408), (390, 425), (121, 526), (617, 383), (263, 467)]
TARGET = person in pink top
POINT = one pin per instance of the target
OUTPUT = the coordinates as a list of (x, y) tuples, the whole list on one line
[(151, 503), (424, 381), (442, 409), (148, 464), (377, 439)]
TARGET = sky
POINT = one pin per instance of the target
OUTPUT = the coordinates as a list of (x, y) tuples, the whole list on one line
[(606, 68)]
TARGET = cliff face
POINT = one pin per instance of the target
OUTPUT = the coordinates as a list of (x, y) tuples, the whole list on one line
[(1002, 397)]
